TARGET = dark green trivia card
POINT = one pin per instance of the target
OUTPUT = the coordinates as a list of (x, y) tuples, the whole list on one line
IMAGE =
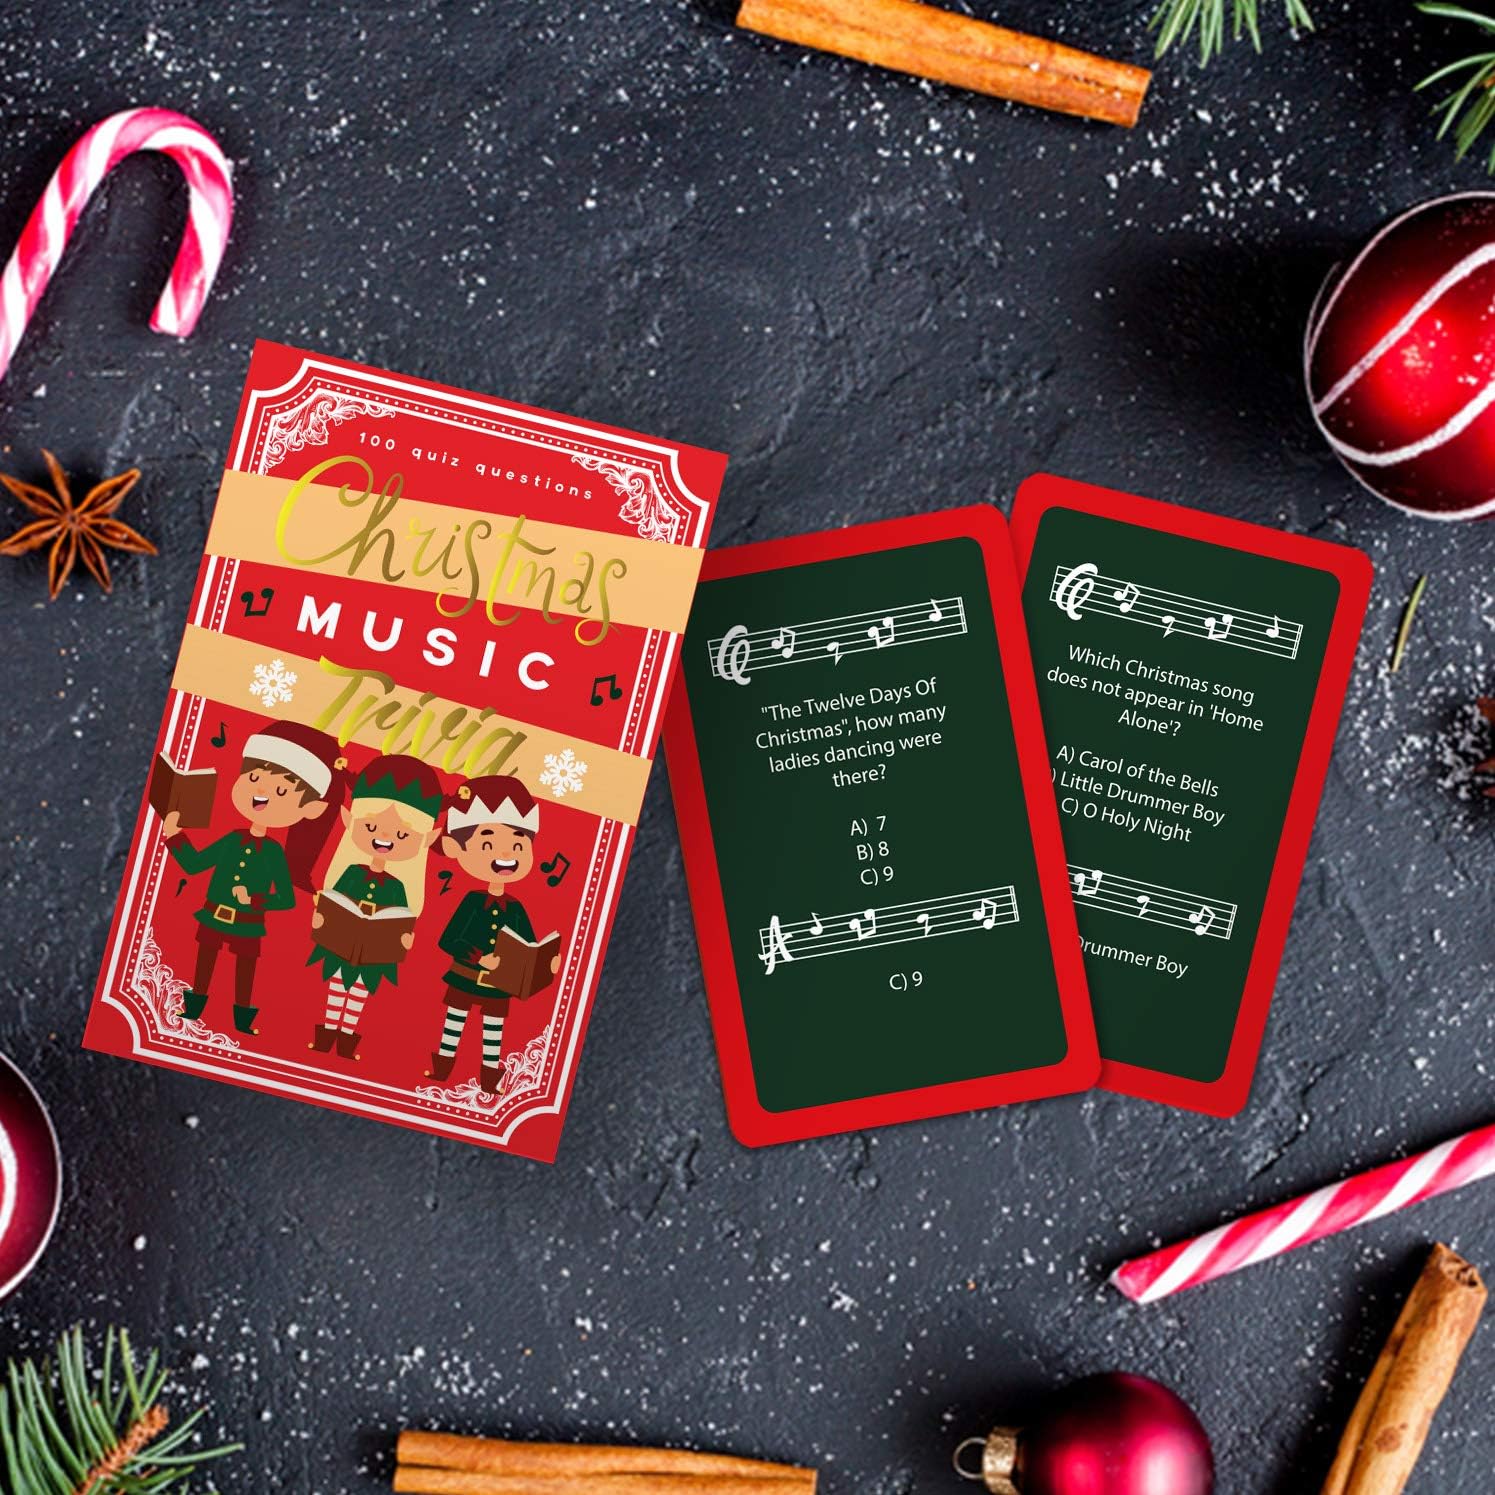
[(1191, 671), (870, 835)]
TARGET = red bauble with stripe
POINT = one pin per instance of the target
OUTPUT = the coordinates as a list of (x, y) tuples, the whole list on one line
[(1400, 359)]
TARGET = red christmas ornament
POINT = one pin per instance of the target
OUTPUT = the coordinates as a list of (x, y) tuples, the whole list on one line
[(30, 1177), (1399, 359), (1106, 1435)]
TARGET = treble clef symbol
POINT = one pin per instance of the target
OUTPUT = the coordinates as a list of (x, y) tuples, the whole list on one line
[(732, 655), (1073, 589)]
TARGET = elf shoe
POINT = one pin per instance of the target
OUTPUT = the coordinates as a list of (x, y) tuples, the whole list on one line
[(491, 1080), (322, 1038), (193, 1003), (441, 1066), (244, 1018), (347, 1045)]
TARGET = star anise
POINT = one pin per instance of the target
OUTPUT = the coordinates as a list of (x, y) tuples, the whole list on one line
[(77, 531)]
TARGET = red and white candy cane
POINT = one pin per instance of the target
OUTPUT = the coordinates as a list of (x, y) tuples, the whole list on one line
[(1342, 1206), (210, 210)]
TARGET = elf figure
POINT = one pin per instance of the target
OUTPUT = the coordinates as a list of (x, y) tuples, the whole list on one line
[(490, 832), (392, 819), (285, 780)]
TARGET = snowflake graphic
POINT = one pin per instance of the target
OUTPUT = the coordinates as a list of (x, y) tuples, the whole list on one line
[(563, 774), (272, 683)]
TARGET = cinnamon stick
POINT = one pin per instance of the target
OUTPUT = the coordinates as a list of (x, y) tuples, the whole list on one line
[(577, 1460), (1390, 1422), (410, 1480), (949, 48)]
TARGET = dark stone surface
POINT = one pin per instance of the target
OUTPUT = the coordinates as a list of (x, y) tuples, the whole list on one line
[(878, 297)]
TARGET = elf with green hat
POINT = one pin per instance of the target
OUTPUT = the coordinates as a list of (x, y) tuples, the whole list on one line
[(390, 819)]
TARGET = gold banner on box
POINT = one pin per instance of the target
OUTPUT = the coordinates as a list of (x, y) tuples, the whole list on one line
[(468, 560), (376, 711)]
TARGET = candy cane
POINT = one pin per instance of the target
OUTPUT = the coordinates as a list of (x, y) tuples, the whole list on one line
[(210, 210), (1342, 1206)]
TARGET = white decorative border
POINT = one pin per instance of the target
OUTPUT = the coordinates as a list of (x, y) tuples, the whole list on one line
[(276, 410), (161, 989), (471, 413), (306, 424), (646, 505), (523, 1072)]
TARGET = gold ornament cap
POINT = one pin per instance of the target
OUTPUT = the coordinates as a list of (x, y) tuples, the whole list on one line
[(998, 1461)]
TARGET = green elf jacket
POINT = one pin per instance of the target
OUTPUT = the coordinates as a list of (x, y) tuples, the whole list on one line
[(238, 860), (473, 933), (363, 885)]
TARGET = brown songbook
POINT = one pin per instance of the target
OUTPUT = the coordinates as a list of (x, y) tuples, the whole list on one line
[(523, 965), (188, 791), (359, 937)]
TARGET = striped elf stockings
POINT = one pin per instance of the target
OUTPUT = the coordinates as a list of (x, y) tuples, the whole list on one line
[(491, 1075), (339, 1023)]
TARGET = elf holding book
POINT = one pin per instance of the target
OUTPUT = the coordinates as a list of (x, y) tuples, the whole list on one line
[(288, 776), (365, 913), (490, 833)]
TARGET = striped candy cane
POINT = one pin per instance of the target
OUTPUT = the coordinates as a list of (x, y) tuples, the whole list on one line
[(1342, 1206), (210, 210)]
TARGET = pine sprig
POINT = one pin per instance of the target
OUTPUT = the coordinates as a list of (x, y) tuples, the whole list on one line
[(1176, 21), (65, 1430), (1468, 110)]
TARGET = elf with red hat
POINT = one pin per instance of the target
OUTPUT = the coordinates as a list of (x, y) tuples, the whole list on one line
[(490, 833), (289, 775)]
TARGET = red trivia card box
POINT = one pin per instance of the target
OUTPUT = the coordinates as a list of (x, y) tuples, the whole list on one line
[(424, 669)]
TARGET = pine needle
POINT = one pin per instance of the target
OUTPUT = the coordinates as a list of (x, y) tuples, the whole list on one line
[(66, 1430), (1405, 631), (1177, 21), (1467, 111)]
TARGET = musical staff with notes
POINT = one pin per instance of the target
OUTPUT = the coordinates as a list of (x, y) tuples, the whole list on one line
[(1082, 589), (741, 651), (1194, 913), (975, 912)]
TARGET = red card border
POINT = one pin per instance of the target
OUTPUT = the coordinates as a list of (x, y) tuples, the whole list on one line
[(752, 1124), (1352, 568)]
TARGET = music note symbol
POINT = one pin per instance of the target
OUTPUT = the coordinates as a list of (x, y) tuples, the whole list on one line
[(935, 615), (1081, 891), (877, 636), (558, 860), (776, 946), (834, 650), (613, 692), (1168, 621), (220, 737), (784, 642), (1223, 623), (1275, 631), (986, 911), (1143, 899), (1202, 919), (865, 933), (816, 927), (444, 877), (923, 920), (267, 596), (1127, 596)]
